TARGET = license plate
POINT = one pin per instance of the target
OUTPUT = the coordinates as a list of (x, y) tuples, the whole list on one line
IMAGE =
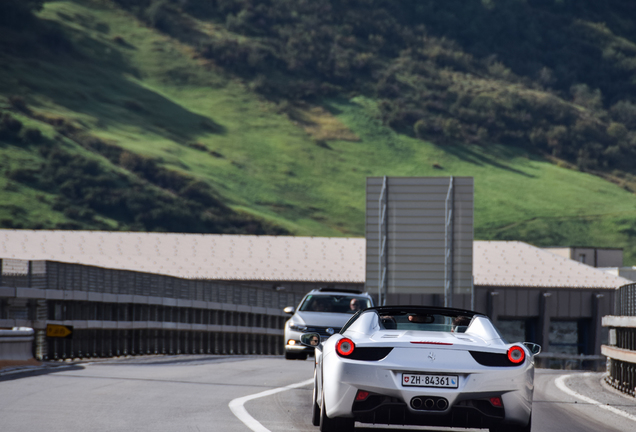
[(422, 380)]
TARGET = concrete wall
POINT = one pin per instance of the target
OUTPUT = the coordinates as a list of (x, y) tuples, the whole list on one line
[(16, 345), (594, 257)]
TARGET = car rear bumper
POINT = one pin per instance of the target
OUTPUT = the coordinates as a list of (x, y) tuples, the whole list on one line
[(477, 413), (467, 406), (298, 348), (470, 411)]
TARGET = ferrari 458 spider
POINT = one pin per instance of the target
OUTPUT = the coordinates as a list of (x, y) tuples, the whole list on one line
[(415, 365)]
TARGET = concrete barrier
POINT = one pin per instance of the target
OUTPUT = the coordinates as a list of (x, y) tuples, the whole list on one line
[(548, 360), (16, 345)]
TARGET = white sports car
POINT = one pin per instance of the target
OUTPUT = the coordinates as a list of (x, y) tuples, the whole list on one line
[(416, 365)]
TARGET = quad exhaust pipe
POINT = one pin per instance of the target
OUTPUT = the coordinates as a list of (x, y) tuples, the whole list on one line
[(429, 403)]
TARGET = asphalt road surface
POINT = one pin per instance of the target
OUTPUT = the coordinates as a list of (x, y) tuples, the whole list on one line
[(193, 393)]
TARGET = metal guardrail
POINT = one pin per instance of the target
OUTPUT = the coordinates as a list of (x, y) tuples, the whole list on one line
[(621, 350), (119, 312), (626, 300)]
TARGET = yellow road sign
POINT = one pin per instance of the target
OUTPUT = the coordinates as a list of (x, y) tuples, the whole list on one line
[(59, 331)]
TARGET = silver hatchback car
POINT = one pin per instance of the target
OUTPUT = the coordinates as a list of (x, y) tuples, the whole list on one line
[(323, 311)]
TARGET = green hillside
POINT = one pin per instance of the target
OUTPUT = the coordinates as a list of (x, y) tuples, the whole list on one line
[(137, 117)]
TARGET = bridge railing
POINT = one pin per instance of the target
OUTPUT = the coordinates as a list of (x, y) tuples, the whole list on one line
[(621, 349), (119, 312)]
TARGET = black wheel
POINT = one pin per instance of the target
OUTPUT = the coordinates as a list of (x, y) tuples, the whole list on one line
[(295, 356), (527, 427), (507, 427), (315, 409), (337, 424)]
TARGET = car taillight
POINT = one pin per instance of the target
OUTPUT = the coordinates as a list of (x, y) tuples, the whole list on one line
[(362, 395), (516, 354), (345, 347)]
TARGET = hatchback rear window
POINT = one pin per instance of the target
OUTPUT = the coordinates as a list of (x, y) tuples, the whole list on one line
[(334, 303)]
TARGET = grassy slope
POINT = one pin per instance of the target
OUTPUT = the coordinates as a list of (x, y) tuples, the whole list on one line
[(270, 166)]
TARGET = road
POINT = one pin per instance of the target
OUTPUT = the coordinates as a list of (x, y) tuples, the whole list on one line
[(193, 393)]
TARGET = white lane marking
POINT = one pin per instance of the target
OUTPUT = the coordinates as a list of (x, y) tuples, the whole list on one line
[(560, 383), (241, 413)]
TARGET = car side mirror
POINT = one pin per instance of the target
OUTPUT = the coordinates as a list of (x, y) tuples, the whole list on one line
[(533, 347), (289, 310), (310, 339)]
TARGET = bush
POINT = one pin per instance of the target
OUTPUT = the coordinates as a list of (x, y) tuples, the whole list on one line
[(618, 131), (452, 128), (624, 112), (22, 175), (19, 103), (129, 161), (9, 127), (119, 40), (420, 128), (159, 14), (584, 96), (557, 138), (201, 193), (32, 135), (54, 38), (134, 106)]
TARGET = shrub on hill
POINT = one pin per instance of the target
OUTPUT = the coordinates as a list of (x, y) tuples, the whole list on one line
[(9, 127), (535, 74), (88, 190)]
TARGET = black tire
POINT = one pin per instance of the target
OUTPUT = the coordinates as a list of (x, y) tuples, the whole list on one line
[(507, 427), (295, 356), (337, 424), (527, 427), (315, 408)]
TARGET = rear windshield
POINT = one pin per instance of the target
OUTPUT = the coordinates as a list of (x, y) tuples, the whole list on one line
[(424, 322), (334, 303)]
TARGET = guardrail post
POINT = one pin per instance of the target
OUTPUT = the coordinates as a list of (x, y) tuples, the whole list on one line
[(493, 306), (108, 343), (544, 321), (597, 322), (217, 344), (41, 345), (52, 348)]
